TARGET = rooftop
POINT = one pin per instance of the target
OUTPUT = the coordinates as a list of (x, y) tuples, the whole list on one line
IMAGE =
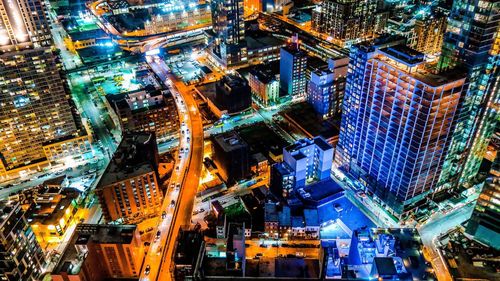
[(230, 141), (134, 156)]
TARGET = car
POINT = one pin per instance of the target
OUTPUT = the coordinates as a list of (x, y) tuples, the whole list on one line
[(172, 203), (163, 215), (180, 156), (158, 233), (147, 270), (177, 187), (177, 168)]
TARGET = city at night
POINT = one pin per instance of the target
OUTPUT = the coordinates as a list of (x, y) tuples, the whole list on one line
[(152, 140)]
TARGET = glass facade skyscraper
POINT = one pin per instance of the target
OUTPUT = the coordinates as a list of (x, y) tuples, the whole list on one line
[(473, 41), (33, 105), (229, 27), (397, 122)]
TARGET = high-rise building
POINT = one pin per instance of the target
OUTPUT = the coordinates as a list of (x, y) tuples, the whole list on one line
[(472, 41), (325, 90), (484, 223), (34, 109), (347, 21), (293, 64), (100, 252), (397, 123), (129, 189), (231, 155), (20, 254), (228, 23)]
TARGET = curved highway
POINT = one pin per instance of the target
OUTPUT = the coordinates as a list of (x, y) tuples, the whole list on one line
[(179, 198)]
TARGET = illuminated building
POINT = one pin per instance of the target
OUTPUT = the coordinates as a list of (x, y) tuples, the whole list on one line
[(472, 41), (265, 85), (20, 255), (231, 155), (34, 109), (101, 252), (227, 19), (147, 110), (423, 28), (51, 214), (325, 90), (305, 162), (347, 21), (293, 63), (397, 123), (484, 223), (129, 189), (179, 19)]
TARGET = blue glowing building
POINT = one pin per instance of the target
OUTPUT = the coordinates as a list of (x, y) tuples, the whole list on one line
[(293, 64), (397, 123), (305, 162)]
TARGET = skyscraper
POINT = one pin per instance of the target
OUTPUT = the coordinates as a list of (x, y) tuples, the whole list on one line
[(20, 254), (33, 105), (227, 19), (484, 223), (347, 21), (293, 64), (472, 40), (397, 123)]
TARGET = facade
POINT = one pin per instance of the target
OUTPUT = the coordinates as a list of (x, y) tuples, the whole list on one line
[(148, 111), (347, 21), (20, 253), (233, 94), (325, 90), (472, 41), (33, 104), (227, 19), (265, 86), (293, 64), (179, 19), (129, 190), (485, 220), (423, 29), (51, 214), (231, 155), (310, 159), (100, 252), (397, 122)]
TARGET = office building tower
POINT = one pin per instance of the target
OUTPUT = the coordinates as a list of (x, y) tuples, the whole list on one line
[(397, 123), (101, 252), (265, 85), (34, 109), (129, 189), (20, 254), (233, 94), (484, 223), (348, 21), (231, 155), (293, 63), (228, 23), (147, 110), (472, 41)]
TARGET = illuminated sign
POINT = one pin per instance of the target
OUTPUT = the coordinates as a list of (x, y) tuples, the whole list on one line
[(16, 20)]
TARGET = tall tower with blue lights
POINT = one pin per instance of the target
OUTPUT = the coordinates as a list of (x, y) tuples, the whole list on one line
[(398, 117), (473, 41)]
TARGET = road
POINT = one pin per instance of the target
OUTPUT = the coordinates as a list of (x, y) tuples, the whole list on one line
[(440, 225), (158, 261)]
